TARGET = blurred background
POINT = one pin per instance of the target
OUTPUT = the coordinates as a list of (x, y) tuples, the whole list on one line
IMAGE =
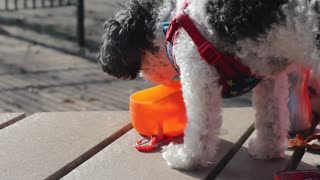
[(48, 52)]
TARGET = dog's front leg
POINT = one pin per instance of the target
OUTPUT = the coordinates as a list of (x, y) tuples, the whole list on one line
[(202, 97), (270, 99)]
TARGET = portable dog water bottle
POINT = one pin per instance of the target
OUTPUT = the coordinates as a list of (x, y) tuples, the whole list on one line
[(158, 113), (299, 103)]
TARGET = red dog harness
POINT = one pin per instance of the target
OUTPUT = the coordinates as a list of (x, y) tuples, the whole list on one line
[(235, 78)]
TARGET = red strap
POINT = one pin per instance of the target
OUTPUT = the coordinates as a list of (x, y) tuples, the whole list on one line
[(174, 25), (229, 66), (206, 50), (185, 4), (183, 19), (173, 29)]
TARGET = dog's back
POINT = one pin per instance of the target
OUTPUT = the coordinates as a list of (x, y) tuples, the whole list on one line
[(236, 20)]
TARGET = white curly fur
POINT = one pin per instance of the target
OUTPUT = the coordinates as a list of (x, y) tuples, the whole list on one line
[(292, 42), (285, 45), (203, 111), (270, 99)]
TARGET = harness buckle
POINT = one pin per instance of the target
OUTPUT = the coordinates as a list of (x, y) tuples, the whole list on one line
[(209, 53)]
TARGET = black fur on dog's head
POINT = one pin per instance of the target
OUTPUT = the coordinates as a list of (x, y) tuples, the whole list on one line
[(127, 36)]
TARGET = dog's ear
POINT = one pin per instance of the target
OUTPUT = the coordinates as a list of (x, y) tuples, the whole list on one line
[(126, 38)]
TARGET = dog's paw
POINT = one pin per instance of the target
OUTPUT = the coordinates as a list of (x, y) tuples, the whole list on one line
[(262, 150), (178, 157)]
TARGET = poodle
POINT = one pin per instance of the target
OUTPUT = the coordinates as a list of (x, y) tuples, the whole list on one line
[(219, 49)]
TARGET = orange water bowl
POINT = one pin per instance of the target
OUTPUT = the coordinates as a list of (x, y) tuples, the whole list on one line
[(159, 111)]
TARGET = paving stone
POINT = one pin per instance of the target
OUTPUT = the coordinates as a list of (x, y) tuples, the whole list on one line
[(51, 143), (121, 161)]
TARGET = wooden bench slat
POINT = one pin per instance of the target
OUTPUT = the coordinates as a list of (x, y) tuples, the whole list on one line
[(7, 119), (228, 157), (45, 144), (310, 160), (121, 161), (244, 166)]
